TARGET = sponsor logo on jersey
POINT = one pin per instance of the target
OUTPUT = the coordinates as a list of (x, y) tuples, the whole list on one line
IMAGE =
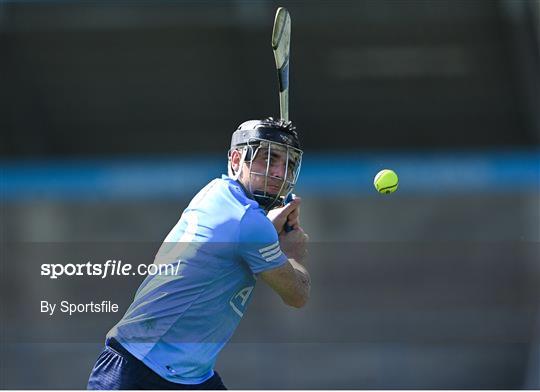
[(239, 300)]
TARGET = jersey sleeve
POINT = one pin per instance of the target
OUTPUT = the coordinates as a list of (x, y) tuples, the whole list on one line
[(258, 242)]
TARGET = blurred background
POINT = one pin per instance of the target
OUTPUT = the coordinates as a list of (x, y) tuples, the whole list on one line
[(114, 114)]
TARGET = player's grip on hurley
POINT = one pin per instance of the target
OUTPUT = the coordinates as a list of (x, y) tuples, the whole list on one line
[(289, 198)]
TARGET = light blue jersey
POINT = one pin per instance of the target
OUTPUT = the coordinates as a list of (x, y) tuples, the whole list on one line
[(178, 324)]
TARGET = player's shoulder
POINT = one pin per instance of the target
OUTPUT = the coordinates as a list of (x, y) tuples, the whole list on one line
[(225, 197), (232, 189), (256, 227), (228, 199)]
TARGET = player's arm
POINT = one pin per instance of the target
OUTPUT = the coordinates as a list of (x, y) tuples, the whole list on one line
[(291, 281), (277, 259)]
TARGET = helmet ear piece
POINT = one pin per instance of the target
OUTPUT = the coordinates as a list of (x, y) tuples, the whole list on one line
[(249, 153), (234, 174)]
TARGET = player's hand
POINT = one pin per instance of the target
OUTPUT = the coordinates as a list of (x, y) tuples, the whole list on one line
[(294, 244), (289, 213)]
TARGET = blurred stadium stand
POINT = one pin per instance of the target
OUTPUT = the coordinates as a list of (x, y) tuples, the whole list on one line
[(113, 114), (121, 78)]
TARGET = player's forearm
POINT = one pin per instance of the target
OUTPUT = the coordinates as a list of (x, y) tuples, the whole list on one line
[(291, 281), (303, 281)]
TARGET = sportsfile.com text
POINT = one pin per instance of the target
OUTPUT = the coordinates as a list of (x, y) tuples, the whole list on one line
[(109, 268)]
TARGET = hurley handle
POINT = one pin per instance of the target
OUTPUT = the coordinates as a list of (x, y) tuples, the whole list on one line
[(289, 198)]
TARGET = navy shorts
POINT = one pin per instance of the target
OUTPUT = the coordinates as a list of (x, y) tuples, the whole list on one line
[(117, 368)]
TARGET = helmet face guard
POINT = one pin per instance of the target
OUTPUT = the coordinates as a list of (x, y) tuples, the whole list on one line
[(271, 150), (276, 172)]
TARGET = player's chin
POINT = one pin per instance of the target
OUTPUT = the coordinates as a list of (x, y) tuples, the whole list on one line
[(269, 190), (268, 193), (273, 190)]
